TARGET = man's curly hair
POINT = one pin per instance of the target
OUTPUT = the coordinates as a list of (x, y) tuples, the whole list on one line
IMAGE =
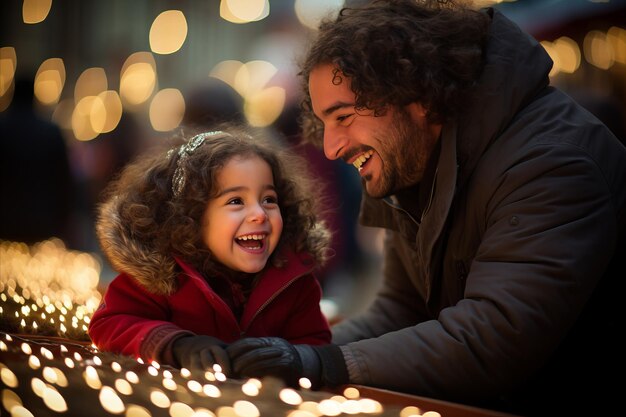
[(170, 225), (396, 52)]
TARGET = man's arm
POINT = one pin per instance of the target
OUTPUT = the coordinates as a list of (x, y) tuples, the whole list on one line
[(397, 304)]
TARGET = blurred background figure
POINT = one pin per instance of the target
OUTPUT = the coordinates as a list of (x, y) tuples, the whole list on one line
[(212, 101), (36, 181)]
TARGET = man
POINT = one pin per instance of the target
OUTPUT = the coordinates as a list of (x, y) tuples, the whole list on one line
[(504, 204)]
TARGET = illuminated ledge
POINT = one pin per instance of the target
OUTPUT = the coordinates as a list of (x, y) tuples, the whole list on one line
[(42, 373)]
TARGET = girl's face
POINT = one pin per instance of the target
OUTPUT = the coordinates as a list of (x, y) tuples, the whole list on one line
[(241, 226)]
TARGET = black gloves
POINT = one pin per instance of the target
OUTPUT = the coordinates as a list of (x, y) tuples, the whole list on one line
[(273, 356), (199, 353)]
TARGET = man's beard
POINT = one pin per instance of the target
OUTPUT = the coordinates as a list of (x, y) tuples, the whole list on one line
[(404, 149)]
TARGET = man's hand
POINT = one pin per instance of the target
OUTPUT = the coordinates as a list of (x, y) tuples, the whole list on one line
[(273, 356), (199, 353)]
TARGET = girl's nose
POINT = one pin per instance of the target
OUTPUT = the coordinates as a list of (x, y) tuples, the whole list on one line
[(257, 214)]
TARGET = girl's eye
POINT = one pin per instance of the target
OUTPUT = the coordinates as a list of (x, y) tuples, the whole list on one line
[(270, 200), (236, 200)]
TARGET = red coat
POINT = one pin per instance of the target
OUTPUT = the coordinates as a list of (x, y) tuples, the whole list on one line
[(133, 321)]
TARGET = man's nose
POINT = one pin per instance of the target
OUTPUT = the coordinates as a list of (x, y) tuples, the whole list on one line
[(334, 142)]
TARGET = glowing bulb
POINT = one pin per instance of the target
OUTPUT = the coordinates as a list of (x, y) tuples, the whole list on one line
[(33, 362), (246, 409), (110, 401), (211, 391), (123, 386)]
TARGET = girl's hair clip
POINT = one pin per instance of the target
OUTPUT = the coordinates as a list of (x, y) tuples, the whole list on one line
[(185, 150)]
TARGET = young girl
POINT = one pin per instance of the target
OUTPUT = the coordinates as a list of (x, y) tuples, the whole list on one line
[(215, 239)]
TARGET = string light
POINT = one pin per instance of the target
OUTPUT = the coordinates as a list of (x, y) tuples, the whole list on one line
[(48, 362)]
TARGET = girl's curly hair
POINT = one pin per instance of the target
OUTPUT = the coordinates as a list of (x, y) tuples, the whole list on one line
[(396, 52), (169, 225)]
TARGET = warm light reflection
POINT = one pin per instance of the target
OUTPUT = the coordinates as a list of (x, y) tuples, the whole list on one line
[(167, 110), (8, 63), (168, 32), (211, 391), (178, 409), (111, 111), (226, 71), (410, 411), (305, 383), (159, 398), (617, 39), (310, 13), (138, 79), (250, 389), (253, 76), (62, 114), (549, 48), (35, 11), (226, 411), (54, 400), (597, 50), (565, 54), (134, 410), (81, 118), (123, 386), (351, 393), (244, 11), (263, 108), (329, 407), (477, 4), (290, 396), (10, 400), (49, 81), (110, 401), (370, 406), (245, 408), (569, 54), (302, 413), (91, 82), (8, 377)]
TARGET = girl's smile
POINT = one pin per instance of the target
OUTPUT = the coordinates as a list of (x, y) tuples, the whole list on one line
[(242, 224)]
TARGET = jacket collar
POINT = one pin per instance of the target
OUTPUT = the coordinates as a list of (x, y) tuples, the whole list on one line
[(270, 284)]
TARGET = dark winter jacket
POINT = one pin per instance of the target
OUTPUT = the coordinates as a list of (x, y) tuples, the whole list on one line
[(504, 292)]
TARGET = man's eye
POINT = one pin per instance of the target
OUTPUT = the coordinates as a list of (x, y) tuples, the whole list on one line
[(343, 118)]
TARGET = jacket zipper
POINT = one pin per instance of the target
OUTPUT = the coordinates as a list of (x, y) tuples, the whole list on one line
[(269, 300), (428, 204)]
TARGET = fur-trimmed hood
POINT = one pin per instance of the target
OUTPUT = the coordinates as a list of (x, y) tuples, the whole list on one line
[(152, 270)]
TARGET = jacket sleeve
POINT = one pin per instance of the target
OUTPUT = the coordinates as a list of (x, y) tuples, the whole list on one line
[(306, 324), (133, 322), (396, 305), (550, 230)]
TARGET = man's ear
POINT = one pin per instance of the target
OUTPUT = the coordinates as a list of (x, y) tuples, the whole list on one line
[(417, 111)]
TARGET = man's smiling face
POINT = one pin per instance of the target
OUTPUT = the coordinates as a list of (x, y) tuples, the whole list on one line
[(389, 150)]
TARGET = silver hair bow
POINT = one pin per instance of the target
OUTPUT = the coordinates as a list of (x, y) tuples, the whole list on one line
[(186, 149)]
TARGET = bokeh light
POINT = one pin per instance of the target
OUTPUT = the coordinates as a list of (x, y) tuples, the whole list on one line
[(35, 11), (244, 11), (168, 32), (167, 109), (138, 79), (49, 81)]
